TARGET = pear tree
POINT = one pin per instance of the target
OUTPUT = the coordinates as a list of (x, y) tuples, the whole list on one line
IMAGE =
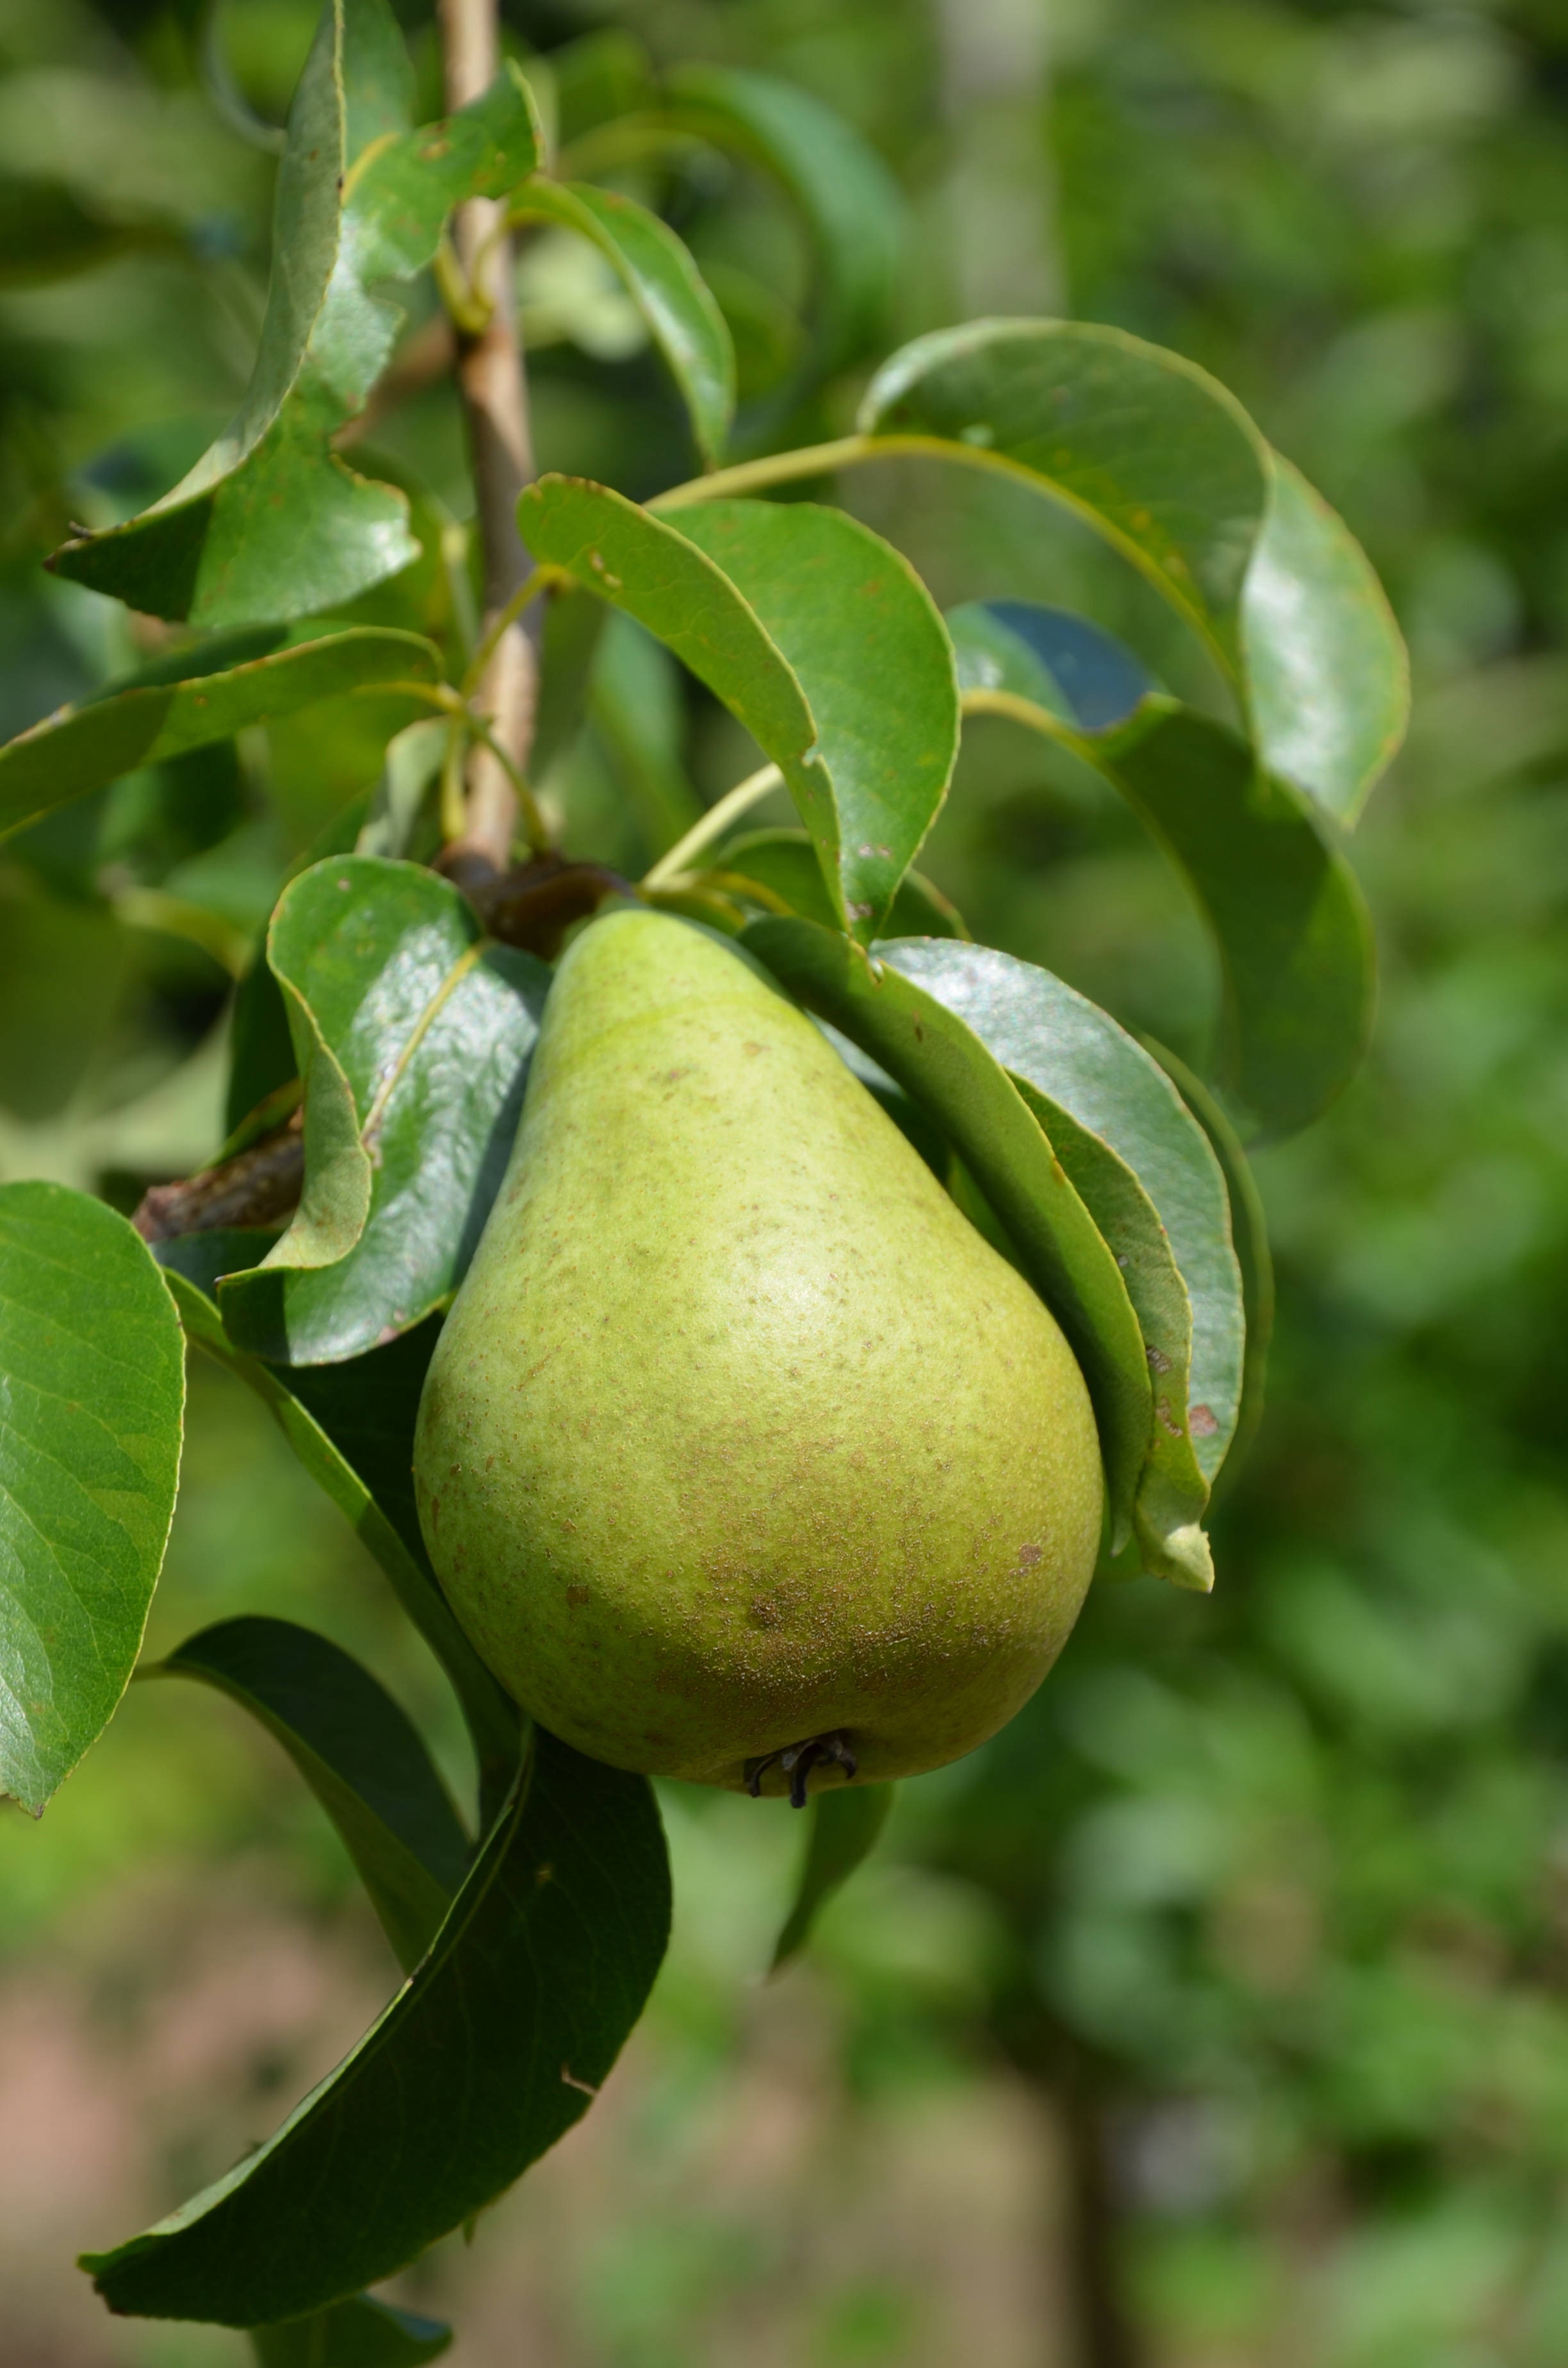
[(739, 1313)]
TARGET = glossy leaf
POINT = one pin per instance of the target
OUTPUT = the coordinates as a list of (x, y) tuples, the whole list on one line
[(1162, 462), (487, 2056), (1148, 1176), (92, 1388), (261, 1050), (1146, 446), (816, 635), (1328, 673), (667, 289), (943, 1066), (782, 864), (359, 1752), (271, 522), (354, 1434), (1249, 1231), (192, 698), (1286, 913), (847, 197), (846, 1824), (413, 1032), (1060, 662), (362, 2333)]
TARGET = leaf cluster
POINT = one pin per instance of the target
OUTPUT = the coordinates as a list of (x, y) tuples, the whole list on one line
[(384, 1018)]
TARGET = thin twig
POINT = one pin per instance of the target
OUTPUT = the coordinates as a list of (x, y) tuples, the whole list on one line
[(713, 823), (490, 372), (260, 1186)]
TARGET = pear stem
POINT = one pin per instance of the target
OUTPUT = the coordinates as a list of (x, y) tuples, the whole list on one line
[(713, 823), (798, 1759)]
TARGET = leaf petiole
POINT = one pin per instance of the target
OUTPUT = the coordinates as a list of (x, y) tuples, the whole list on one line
[(714, 823)]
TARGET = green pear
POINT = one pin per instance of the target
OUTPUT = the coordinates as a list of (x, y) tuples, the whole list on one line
[(742, 1450)]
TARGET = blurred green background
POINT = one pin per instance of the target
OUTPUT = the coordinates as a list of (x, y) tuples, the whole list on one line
[(1217, 2013)]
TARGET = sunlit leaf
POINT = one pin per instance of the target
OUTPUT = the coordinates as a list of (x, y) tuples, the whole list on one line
[(943, 1066), (814, 632), (92, 1390), (271, 522), (359, 1752), (1145, 1168), (1249, 1232), (1328, 673), (413, 1032), (666, 287), (487, 2056), (847, 197), (196, 696), (847, 1822), (1158, 458)]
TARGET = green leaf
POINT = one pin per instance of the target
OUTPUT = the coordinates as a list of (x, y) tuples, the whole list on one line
[(667, 289), (355, 1437), (782, 863), (1154, 453), (413, 1032), (944, 1068), (846, 1824), (1287, 916), (363, 2333), (1146, 1171), (1163, 462), (271, 522), (483, 2060), (1327, 673), (848, 200), (359, 1752), (818, 636), (1249, 1229), (196, 696), (92, 1384), (1056, 660)]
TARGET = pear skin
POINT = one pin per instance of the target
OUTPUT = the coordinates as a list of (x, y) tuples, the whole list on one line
[(738, 1433)]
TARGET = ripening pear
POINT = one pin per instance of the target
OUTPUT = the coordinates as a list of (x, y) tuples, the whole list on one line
[(742, 1450)]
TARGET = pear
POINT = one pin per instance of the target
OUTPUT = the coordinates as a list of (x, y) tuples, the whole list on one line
[(741, 1450)]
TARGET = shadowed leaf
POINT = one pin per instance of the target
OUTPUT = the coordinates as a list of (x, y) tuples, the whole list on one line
[(355, 1437), (1286, 914), (667, 289), (849, 200), (359, 1753), (847, 1822), (362, 2333), (487, 2056), (195, 697)]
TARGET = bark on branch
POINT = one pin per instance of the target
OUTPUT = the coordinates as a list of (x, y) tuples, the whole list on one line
[(495, 391)]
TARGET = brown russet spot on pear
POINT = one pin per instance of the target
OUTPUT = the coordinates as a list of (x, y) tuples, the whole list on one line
[(739, 1437)]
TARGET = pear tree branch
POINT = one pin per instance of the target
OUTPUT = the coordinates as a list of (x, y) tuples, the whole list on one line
[(494, 393)]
